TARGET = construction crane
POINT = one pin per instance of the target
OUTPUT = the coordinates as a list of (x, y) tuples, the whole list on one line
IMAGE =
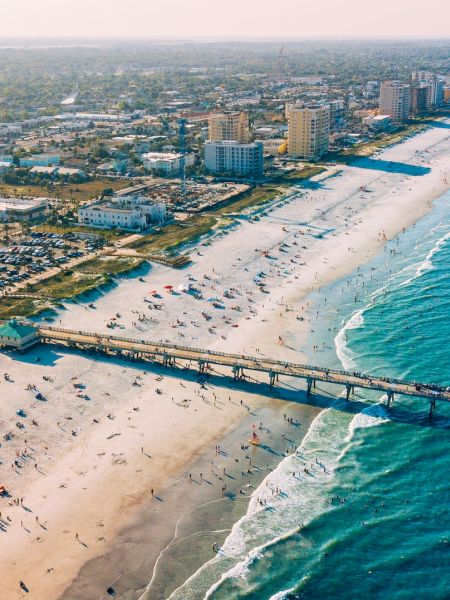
[(182, 149), (280, 65)]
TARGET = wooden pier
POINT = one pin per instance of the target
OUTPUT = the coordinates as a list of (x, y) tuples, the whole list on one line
[(172, 354)]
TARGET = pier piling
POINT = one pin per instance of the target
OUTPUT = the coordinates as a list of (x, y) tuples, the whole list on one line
[(168, 354)]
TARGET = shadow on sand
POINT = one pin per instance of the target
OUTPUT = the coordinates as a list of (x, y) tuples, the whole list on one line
[(323, 396), (390, 166), (437, 124)]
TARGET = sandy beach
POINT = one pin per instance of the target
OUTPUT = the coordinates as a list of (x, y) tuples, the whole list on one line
[(127, 460)]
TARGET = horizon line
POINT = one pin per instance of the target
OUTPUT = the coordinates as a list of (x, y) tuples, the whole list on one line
[(227, 37)]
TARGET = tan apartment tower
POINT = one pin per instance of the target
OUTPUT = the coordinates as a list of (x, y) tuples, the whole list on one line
[(229, 126), (309, 131), (395, 100)]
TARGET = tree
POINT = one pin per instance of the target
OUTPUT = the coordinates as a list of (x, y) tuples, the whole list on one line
[(108, 192)]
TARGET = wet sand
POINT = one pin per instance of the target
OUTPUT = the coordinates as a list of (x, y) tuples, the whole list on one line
[(152, 549)]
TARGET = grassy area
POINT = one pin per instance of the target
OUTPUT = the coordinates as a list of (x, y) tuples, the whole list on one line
[(67, 284), (88, 276), (173, 236), (107, 233), (110, 266), (305, 172), (75, 192), (23, 307), (259, 195)]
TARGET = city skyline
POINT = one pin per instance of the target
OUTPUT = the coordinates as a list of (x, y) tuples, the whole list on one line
[(201, 19)]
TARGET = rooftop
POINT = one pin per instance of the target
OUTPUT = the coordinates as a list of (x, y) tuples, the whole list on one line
[(16, 330), (161, 156), (20, 204)]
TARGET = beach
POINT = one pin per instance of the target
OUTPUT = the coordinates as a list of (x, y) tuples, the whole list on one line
[(110, 475)]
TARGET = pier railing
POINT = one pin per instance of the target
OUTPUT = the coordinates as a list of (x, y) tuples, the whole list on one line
[(241, 362)]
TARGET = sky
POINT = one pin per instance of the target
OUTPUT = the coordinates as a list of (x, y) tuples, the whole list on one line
[(187, 19)]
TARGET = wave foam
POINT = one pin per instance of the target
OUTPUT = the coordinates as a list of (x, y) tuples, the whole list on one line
[(300, 499), (371, 416), (344, 354)]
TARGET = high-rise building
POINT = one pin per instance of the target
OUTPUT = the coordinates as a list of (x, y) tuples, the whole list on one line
[(309, 131), (395, 100), (337, 113), (435, 83), (229, 126), (420, 98), (437, 92), (421, 76), (231, 157)]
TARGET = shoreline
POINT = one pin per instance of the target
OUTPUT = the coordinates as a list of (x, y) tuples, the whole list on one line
[(179, 440), (207, 517)]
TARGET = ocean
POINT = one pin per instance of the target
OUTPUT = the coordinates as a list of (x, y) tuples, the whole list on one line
[(370, 519)]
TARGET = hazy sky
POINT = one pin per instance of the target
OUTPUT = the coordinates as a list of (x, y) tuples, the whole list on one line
[(224, 18)]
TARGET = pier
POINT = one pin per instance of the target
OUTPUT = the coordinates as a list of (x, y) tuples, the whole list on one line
[(201, 359)]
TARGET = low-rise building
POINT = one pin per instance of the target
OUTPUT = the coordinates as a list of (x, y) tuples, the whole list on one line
[(57, 171), (265, 133), (18, 335), (22, 209), (43, 170), (377, 122), (136, 213), (70, 172), (235, 158), (166, 163), (40, 160), (94, 117), (275, 146)]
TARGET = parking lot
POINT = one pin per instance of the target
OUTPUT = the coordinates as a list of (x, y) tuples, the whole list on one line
[(22, 257)]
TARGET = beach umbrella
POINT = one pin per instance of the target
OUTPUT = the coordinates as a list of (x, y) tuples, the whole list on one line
[(168, 287)]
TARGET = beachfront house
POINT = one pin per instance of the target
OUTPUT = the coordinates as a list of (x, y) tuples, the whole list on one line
[(18, 335)]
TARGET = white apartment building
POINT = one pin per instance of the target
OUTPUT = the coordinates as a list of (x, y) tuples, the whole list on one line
[(395, 100), (233, 157), (123, 212), (437, 91), (309, 131), (229, 126), (166, 163)]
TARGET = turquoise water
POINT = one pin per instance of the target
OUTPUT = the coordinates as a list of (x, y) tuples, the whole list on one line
[(375, 506)]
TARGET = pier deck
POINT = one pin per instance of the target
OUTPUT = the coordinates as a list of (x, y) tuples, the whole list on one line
[(169, 354)]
